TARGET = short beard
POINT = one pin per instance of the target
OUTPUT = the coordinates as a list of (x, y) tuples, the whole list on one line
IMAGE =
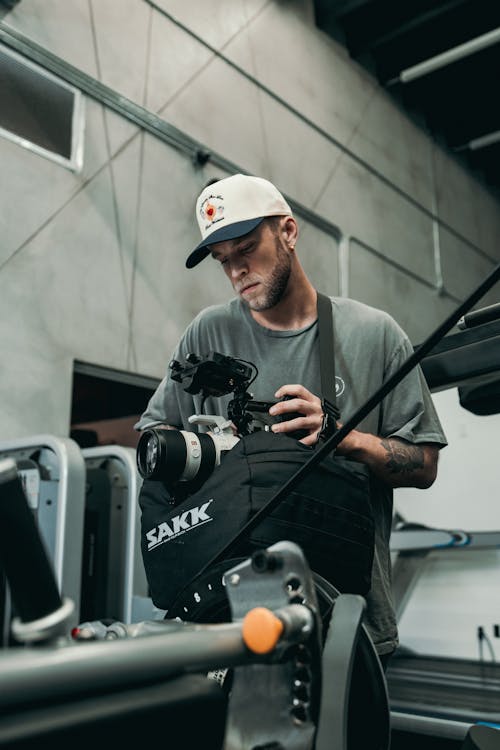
[(275, 287)]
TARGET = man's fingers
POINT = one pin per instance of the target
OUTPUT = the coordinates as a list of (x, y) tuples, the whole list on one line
[(294, 389), (300, 401), (310, 423), (293, 404)]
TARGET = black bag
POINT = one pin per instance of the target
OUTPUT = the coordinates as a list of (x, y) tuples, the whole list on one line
[(329, 515)]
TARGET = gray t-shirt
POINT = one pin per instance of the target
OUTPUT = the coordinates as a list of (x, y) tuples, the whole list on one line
[(369, 347)]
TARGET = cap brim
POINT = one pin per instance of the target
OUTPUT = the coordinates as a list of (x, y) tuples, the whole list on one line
[(230, 232)]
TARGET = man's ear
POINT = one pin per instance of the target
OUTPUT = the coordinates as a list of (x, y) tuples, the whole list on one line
[(290, 231)]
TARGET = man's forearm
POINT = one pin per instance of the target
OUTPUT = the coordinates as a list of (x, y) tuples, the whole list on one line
[(395, 461)]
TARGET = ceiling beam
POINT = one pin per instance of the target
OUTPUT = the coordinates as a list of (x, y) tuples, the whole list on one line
[(447, 58), (482, 142)]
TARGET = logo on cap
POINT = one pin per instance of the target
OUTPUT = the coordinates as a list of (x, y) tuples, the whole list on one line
[(212, 210)]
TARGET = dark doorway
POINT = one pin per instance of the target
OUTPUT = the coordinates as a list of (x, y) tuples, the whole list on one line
[(106, 403)]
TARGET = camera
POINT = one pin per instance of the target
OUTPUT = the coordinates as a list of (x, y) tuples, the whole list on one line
[(174, 456)]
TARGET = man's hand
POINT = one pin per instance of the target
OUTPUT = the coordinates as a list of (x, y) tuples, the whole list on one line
[(394, 460), (302, 402)]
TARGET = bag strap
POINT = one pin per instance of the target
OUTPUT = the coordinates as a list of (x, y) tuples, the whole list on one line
[(327, 365)]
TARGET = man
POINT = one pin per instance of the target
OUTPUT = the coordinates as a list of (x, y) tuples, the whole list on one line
[(248, 229)]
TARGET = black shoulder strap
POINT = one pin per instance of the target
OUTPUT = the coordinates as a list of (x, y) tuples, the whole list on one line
[(327, 357)]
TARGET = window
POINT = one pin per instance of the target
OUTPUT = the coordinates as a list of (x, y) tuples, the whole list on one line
[(39, 111)]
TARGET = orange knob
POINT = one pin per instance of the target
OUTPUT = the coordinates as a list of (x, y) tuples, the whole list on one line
[(261, 630)]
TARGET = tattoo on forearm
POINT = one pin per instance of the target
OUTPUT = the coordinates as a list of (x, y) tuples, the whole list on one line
[(402, 458)]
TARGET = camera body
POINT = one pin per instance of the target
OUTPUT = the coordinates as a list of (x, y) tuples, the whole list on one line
[(174, 456)]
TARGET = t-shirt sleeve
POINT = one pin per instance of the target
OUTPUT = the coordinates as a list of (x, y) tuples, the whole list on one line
[(162, 408), (408, 411), (166, 404)]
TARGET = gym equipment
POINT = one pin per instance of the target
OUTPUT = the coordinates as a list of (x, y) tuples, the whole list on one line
[(410, 543), (464, 358), (482, 738), (53, 474), (128, 680), (114, 583), (431, 696), (440, 697)]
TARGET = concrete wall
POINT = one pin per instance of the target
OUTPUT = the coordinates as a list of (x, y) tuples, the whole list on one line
[(92, 264)]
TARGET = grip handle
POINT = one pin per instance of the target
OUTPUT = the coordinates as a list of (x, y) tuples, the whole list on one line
[(32, 583)]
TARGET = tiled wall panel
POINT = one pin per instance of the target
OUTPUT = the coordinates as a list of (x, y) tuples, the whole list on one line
[(417, 308)]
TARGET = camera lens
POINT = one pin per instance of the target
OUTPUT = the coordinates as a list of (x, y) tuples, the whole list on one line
[(151, 454), (176, 455), (161, 454)]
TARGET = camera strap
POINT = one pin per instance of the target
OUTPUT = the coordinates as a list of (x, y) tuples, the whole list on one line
[(331, 411)]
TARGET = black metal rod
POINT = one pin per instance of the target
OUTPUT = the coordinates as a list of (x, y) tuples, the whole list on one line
[(333, 441)]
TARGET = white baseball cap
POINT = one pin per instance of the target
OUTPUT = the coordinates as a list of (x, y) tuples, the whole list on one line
[(233, 207)]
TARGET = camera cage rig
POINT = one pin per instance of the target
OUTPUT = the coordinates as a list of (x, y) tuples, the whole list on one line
[(216, 374), (185, 464)]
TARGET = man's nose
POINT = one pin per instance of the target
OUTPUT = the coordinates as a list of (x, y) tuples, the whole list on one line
[(238, 267)]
